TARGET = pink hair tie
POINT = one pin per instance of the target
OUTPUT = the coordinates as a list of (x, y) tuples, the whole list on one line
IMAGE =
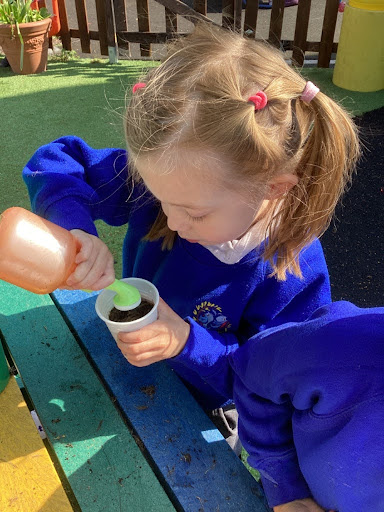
[(259, 100), (310, 91), (139, 85)]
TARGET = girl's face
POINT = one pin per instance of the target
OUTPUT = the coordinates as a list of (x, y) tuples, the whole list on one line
[(199, 205)]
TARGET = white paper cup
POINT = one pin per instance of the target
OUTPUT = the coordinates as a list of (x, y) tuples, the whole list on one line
[(104, 305)]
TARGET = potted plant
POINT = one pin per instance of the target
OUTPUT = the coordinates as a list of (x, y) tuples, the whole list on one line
[(134, 319), (24, 35)]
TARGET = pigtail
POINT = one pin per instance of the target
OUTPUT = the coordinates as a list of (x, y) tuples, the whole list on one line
[(327, 160)]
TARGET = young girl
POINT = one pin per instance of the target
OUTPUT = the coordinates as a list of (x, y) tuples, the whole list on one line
[(314, 426), (234, 167)]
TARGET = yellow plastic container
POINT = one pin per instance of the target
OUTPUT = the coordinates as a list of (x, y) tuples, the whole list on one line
[(360, 54)]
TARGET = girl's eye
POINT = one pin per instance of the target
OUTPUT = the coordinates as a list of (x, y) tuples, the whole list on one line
[(197, 219)]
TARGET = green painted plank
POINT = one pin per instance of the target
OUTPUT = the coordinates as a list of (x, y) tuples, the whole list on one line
[(104, 466), (195, 462)]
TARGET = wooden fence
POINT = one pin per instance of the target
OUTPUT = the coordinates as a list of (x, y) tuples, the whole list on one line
[(113, 34)]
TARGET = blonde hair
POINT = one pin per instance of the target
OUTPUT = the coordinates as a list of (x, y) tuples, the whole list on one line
[(197, 98)]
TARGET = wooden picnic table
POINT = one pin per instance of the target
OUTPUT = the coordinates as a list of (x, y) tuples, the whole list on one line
[(118, 438)]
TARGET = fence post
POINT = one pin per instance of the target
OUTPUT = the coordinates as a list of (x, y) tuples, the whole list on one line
[(102, 26), (64, 30), (120, 10), (170, 21), (276, 26), (238, 8), (328, 32), (111, 32), (301, 32), (200, 6), (143, 23), (82, 20), (228, 14), (250, 20)]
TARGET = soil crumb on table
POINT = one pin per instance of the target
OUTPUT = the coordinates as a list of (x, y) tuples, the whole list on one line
[(144, 307)]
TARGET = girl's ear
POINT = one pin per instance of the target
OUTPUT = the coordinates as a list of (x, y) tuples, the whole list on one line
[(280, 185)]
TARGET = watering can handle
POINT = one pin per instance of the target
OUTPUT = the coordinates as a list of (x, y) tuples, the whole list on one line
[(56, 25)]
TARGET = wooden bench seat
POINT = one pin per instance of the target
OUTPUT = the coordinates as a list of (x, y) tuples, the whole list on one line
[(127, 438), (28, 479)]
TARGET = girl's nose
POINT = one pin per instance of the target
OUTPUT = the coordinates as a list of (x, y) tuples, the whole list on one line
[(175, 220)]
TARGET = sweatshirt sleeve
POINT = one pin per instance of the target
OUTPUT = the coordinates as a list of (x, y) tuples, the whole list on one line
[(312, 378), (265, 430), (273, 303), (72, 184), (263, 398)]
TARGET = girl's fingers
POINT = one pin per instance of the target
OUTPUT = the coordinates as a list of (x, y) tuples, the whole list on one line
[(86, 245), (96, 268), (109, 272), (99, 268), (85, 261), (85, 252), (144, 359), (104, 281), (146, 333), (136, 349), (81, 272)]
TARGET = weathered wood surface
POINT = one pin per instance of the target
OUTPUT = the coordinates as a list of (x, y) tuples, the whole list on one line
[(329, 25), (144, 26), (192, 459), (102, 26), (28, 479), (82, 20), (301, 32), (103, 464)]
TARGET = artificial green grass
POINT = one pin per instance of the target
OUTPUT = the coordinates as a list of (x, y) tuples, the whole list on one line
[(356, 103), (80, 97), (244, 459), (86, 98)]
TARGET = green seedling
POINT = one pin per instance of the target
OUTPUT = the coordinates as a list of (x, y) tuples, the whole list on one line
[(127, 296)]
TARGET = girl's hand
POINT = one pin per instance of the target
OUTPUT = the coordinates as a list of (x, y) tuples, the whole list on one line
[(94, 261), (160, 340), (306, 505)]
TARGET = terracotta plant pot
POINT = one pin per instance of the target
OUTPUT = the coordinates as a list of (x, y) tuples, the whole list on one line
[(35, 36)]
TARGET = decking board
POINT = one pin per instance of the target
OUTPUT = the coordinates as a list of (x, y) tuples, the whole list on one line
[(104, 465), (28, 479), (196, 463)]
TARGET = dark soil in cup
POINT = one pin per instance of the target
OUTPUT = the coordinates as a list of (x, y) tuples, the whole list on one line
[(142, 309)]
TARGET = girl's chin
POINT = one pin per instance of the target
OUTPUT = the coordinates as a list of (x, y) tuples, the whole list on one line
[(193, 241)]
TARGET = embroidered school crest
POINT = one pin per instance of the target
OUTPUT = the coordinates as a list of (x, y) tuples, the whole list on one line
[(210, 316)]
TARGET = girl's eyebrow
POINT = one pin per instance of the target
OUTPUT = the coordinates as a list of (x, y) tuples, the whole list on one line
[(188, 206)]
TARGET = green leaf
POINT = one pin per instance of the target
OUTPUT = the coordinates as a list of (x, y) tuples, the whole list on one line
[(18, 11), (22, 46), (44, 12)]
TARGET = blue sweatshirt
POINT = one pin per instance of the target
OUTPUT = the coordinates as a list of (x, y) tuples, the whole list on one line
[(311, 416), (72, 185)]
